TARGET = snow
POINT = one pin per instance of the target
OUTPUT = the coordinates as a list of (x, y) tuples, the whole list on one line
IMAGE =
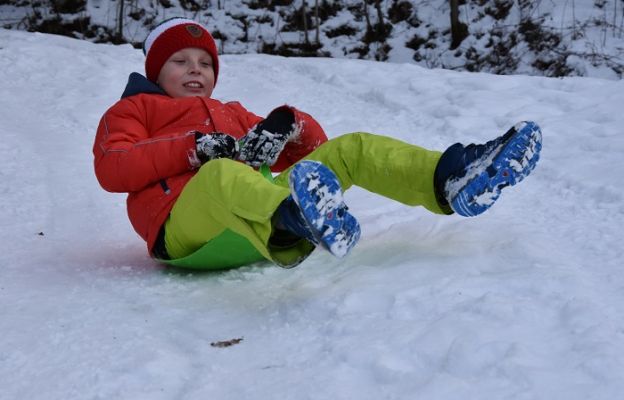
[(523, 302)]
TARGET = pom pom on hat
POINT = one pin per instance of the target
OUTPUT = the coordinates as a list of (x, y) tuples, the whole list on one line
[(174, 35)]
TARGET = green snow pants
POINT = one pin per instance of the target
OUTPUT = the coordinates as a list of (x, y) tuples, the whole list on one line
[(222, 218)]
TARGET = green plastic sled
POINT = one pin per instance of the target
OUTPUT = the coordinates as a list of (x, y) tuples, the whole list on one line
[(228, 250)]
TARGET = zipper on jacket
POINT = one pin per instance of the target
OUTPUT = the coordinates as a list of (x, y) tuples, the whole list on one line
[(164, 186)]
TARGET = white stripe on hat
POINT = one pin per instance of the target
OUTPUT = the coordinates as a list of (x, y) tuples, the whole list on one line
[(151, 38)]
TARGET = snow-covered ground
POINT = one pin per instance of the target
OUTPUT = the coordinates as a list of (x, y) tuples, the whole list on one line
[(523, 302)]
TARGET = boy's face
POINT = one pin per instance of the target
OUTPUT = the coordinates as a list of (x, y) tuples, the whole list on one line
[(187, 72)]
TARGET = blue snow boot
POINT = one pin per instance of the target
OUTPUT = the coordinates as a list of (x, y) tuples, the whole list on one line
[(316, 211), (470, 178)]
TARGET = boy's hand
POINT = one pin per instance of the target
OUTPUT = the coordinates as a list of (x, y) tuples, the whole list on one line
[(215, 145), (264, 143)]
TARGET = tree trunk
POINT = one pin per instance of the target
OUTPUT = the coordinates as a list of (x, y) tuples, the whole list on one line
[(459, 31), (318, 22), (120, 15), (305, 22), (381, 26), (368, 23)]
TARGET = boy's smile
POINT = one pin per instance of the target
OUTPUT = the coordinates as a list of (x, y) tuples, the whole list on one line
[(188, 72)]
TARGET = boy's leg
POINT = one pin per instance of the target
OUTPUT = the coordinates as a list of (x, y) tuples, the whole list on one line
[(469, 179), (382, 165), (226, 194)]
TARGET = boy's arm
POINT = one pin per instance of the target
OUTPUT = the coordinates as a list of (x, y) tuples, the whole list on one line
[(293, 133), (308, 136), (127, 159)]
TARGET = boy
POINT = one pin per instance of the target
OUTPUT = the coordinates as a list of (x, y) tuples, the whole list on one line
[(187, 162)]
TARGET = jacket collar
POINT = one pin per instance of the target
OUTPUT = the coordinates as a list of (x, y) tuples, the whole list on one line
[(138, 84)]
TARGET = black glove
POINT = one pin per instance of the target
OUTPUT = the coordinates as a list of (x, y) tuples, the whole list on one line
[(264, 142), (215, 145)]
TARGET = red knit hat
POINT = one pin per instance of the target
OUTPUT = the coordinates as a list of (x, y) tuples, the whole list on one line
[(173, 35)]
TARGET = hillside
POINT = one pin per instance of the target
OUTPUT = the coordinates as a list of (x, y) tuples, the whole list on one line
[(548, 38)]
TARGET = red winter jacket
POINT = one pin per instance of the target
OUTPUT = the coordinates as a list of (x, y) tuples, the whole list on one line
[(145, 146)]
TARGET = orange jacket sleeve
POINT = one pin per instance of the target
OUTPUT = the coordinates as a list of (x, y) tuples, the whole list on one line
[(310, 136), (128, 159)]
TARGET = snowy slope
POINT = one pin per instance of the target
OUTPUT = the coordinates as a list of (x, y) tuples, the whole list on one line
[(524, 302)]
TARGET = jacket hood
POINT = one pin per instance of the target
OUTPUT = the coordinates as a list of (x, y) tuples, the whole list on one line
[(138, 84)]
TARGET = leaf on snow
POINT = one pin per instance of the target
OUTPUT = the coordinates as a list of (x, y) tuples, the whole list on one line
[(227, 343)]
